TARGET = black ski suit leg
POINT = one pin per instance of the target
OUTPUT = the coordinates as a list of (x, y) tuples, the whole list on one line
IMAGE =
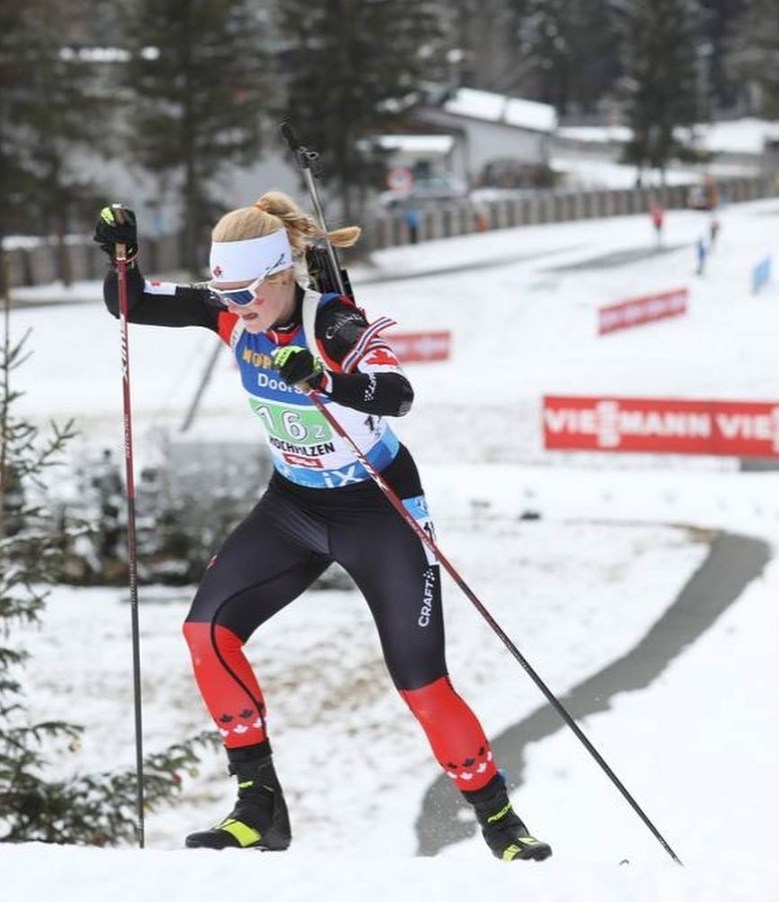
[(267, 561), (393, 569)]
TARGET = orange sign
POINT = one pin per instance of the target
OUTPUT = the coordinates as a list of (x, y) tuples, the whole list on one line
[(637, 311), (415, 347)]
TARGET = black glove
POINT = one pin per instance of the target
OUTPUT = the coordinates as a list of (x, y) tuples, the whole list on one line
[(297, 366), (109, 231)]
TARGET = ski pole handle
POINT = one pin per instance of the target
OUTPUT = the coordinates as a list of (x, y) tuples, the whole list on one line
[(120, 251)]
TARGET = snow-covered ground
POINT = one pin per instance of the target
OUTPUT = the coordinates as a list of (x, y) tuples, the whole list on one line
[(586, 155), (746, 135), (576, 590)]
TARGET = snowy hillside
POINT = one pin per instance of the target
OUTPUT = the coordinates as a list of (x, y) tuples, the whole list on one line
[(578, 590)]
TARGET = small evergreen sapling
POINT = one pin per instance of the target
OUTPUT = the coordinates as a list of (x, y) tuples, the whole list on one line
[(97, 809)]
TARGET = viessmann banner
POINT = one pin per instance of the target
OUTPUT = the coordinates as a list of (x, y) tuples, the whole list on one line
[(661, 425)]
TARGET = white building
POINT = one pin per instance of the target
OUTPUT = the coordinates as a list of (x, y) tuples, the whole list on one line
[(491, 128)]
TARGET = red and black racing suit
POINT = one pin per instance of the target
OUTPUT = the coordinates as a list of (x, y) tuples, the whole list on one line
[(296, 531)]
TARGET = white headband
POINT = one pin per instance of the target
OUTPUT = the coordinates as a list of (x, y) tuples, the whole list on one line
[(238, 261)]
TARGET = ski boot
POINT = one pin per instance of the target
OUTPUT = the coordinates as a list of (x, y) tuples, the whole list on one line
[(503, 831), (259, 819)]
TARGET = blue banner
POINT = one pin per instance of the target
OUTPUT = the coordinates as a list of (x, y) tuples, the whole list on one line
[(761, 275)]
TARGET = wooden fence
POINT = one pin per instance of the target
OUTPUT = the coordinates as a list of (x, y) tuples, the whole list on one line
[(80, 260)]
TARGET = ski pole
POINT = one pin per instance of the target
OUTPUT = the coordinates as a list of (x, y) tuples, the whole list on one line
[(132, 554), (494, 625), (304, 158)]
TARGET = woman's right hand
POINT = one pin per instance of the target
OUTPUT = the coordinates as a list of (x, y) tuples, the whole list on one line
[(116, 225)]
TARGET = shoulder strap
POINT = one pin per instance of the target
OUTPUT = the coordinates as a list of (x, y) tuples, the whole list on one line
[(310, 305), (311, 302)]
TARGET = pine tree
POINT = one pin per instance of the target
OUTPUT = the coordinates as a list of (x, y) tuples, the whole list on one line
[(481, 51), (546, 43), (94, 808), (197, 88), (661, 85), (568, 51), (721, 20), (352, 69), (49, 108), (754, 55)]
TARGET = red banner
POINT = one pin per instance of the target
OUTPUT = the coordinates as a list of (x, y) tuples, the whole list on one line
[(661, 426), (414, 347), (637, 311)]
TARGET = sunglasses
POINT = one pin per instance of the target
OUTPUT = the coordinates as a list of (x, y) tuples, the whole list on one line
[(238, 296), (242, 297)]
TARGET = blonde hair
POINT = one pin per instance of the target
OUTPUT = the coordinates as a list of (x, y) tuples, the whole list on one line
[(276, 210)]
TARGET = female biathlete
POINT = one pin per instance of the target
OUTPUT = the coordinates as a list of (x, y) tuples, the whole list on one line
[(320, 506)]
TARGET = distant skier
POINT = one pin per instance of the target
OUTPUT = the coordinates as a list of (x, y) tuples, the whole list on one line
[(657, 214), (413, 219), (714, 229), (320, 506), (701, 252)]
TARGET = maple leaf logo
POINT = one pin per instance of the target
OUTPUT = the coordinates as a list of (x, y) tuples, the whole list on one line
[(381, 357)]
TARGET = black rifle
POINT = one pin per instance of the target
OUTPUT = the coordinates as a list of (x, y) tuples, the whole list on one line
[(323, 265)]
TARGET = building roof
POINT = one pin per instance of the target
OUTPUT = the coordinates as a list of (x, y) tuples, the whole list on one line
[(472, 104), (416, 144)]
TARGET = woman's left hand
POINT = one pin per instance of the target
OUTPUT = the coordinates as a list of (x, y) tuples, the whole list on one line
[(298, 366)]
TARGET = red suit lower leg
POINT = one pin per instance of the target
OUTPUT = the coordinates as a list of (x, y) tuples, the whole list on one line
[(227, 683), (454, 733)]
